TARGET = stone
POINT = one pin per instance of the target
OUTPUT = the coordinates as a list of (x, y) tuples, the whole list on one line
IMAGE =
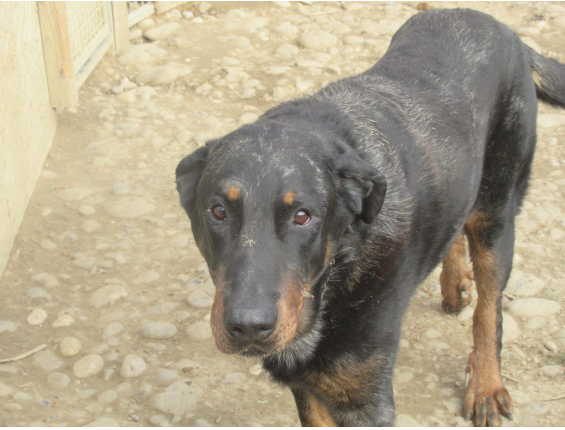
[(165, 376), (200, 299), (256, 369), (146, 277), (107, 296), (432, 333), (47, 244), (550, 346), (129, 207), (247, 118), (75, 194), (103, 422), (129, 128), (162, 32), (536, 408), (403, 420), (108, 396), (317, 39), (86, 210), (36, 317), (45, 279), (524, 284), (21, 396), (553, 370), (533, 307), (5, 390), (353, 40), (90, 225), (113, 329), (157, 75), (286, 29), (510, 330), (86, 263), (551, 120), (201, 423), (177, 397), (63, 321), (135, 33), (199, 331), (7, 326), (47, 360), (287, 50), (132, 365), (88, 366), (164, 308), (157, 330), (70, 346), (134, 57)]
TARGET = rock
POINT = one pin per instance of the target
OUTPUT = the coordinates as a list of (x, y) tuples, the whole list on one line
[(510, 330), (287, 50), (38, 293), (135, 56), (63, 321), (536, 408), (199, 331), (551, 120), (135, 33), (286, 29), (128, 97), (7, 326), (75, 194), (317, 39), (524, 284), (256, 369), (129, 128), (107, 296), (165, 376), (247, 118), (276, 70), (129, 207), (132, 365), (185, 365), (86, 263), (37, 316), (157, 330), (552, 370), (157, 75), (146, 277), (45, 279), (103, 422), (550, 346), (47, 244), (21, 396), (177, 397), (70, 346), (432, 333), (5, 390), (353, 40), (158, 420), (113, 329), (47, 360), (184, 136), (533, 307), (86, 210), (88, 366), (164, 308), (90, 225), (108, 396), (162, 32), (403, 420), (201, 423), (200, 299)]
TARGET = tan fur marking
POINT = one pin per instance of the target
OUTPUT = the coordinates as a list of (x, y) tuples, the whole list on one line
[(217, 316), (289, 197), (289, 307), (232, 193), (455, 278), (537, 79), (485, 389), (318, 415)]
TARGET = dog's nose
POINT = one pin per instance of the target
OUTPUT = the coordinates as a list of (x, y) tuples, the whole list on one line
[(251, 325)]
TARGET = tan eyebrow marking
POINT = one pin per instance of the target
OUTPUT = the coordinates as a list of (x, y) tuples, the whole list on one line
[(232, 193), (289, 197)]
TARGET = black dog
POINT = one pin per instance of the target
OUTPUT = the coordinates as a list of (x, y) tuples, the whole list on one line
[(319, 220)]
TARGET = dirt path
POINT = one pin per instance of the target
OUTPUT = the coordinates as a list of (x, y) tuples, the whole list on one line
[(105, 273)]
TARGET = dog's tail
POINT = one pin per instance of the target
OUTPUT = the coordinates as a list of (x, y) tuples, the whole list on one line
[(549, 77)]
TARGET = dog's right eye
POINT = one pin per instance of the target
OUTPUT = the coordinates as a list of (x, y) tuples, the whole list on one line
[(219, 212)]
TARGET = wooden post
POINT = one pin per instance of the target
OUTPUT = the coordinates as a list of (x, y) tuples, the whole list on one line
[(121, 29), (63, 91)]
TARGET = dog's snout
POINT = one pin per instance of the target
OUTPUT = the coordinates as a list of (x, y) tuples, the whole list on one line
[(251, 325)]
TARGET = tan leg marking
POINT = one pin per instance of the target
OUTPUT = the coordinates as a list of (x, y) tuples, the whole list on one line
[(486, 397), (314, 414), (455, 278)]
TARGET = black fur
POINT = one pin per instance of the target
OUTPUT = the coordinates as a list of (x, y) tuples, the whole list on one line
[(390, 164)]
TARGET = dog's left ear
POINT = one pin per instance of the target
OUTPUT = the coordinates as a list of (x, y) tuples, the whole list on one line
[(188, 174), (360, 185)]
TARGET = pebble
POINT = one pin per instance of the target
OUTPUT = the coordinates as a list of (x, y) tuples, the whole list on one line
[(403, 420), (146, 277), (90, 225), (551, 120), (286, 29), (287, 50), (317, 39), (550, 346), (256, 369), (165, 376), (247, 118), (157, 330), (86, 210), (75, 194), (21, 396), (47, 360), (86, 263), (47, 244), (135, 33), (177, 397), (58, 380), (63, 321), (5, 390), (108, 396), (158, 420), (129, 207), (113, 329), (432, 334), (536, 408), (201, 423), (88, 366), (45, 279), (132, 365), (524, 284), (199, 331), (103, 422), (510, 330), (70, 346), (37, 316), (533, 307), (553, 370), (129, 128), (107, 296), (157, 75), (200, 299), (7, 326), (162, 31)]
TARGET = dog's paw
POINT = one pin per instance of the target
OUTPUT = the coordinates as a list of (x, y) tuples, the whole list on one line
[(486, 399), (454, 303)]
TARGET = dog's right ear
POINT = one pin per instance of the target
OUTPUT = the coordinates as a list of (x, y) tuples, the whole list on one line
[(188, 173)]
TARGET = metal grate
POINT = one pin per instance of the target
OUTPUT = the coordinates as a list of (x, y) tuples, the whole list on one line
[(88, 26)]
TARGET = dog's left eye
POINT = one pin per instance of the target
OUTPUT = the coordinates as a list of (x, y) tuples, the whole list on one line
[(302, 217), (219, 212)]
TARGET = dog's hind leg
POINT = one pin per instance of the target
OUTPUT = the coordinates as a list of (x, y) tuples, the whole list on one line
[(456, 278), (491, 242)]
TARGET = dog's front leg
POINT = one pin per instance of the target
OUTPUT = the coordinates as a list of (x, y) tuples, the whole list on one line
[(311, 411)]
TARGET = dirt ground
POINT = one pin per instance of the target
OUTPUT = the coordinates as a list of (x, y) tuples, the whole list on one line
[(105, 274)]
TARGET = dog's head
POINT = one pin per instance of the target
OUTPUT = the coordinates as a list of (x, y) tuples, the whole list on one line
[(268, 205)]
